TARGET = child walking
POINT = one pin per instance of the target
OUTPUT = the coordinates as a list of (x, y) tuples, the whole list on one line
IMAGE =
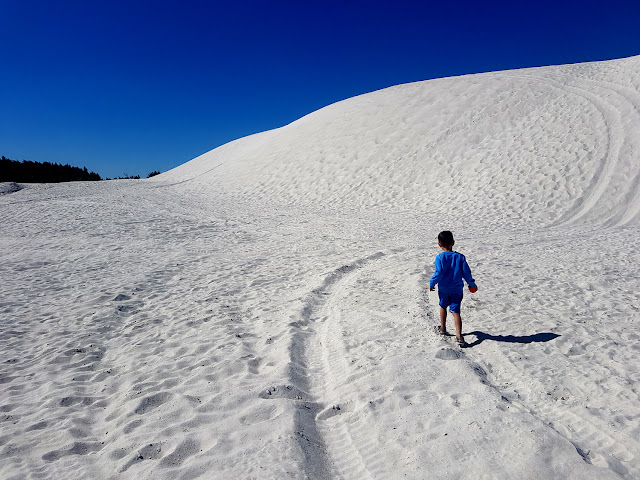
[(451, 268)]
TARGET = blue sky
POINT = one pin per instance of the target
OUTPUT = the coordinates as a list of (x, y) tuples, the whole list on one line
[(136, 86)]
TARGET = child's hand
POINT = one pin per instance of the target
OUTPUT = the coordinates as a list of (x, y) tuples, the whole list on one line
[(473, 289), (432, 289)]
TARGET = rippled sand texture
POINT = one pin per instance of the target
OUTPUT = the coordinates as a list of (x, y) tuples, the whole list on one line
[(263, 310)]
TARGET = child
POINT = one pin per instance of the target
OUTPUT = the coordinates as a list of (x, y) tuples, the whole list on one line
[(451, 268)]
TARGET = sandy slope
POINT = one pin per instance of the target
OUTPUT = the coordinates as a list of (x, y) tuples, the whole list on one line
[(542, 144), (261, 311)]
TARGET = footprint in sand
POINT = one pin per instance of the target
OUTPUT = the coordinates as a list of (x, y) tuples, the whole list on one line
[(151, 451), (335, 410), (151, 402), (186, 449), (78, 448), (131, 426), (284, 391), (261, 414), (448, 354)]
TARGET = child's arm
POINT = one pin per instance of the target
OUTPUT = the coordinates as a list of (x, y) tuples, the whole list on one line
[(466, 274), (435, 278)]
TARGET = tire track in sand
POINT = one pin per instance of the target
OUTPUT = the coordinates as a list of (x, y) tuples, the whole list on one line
[(608, 166), (631, 199), (327, 452)]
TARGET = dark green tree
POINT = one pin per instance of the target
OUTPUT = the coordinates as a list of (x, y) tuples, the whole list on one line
[(35, 172)]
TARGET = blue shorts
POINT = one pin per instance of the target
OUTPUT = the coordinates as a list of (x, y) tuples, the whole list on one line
[(451, 300)]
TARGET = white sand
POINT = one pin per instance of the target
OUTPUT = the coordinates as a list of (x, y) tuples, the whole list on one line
[(262, 311)]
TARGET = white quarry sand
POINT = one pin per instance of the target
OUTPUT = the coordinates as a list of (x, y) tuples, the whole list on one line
[(263, 310)]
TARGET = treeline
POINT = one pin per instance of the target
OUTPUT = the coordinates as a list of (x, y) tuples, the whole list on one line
[(35, 172)]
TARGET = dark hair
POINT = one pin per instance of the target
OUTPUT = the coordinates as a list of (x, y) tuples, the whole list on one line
[(446, 239)]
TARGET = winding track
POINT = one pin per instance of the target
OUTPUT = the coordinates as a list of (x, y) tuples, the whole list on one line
[(618, 139), (328, 452), (333, 444)]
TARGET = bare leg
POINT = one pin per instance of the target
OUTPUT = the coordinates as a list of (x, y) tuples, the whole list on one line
[(443, 320), (458, 321)]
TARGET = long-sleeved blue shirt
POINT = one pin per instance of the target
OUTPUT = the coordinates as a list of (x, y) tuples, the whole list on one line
[(451, 268)]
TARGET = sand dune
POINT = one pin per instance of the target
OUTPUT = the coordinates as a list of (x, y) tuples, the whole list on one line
[(263, 311), (552, 144)]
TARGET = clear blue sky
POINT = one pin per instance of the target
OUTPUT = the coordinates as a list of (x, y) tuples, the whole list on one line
[(127, 87)]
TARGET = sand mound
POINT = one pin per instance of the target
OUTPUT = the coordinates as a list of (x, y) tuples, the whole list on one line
[(553, 144), (9, 187)]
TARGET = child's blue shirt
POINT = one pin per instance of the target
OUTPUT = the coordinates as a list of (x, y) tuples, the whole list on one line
[(451, 268)]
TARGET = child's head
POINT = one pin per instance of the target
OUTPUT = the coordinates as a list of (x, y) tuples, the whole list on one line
[(445, 239)]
